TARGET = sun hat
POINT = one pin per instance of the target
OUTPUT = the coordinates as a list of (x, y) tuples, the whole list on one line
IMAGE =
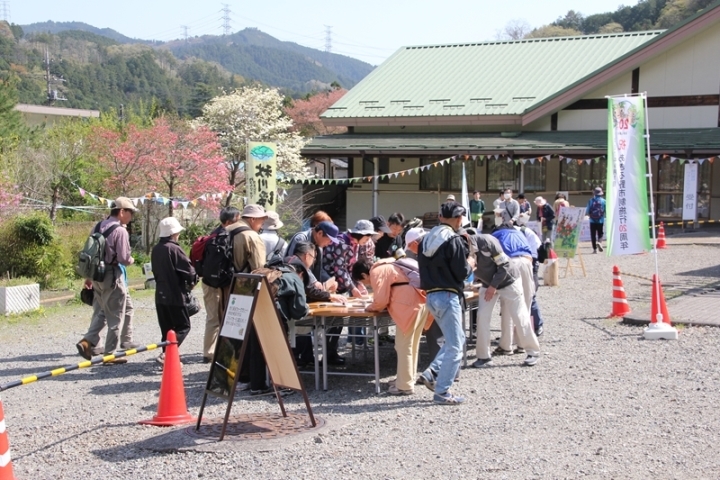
[(598, 191), (123, 203), (450, 198), (380, 224), (540, 201), (330, 230), (273, 222), (414, 234), (363, 227), (170, 226), (253, 211)]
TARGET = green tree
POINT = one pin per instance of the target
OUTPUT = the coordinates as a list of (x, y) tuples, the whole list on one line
[(12, 127)]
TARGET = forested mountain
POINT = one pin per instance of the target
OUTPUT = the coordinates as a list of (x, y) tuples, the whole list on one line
[(101, 68)]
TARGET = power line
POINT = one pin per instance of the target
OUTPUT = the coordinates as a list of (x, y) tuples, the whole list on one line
[(226, 19)]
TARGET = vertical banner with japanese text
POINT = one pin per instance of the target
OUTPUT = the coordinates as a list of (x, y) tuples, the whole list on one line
[(260, 174), (689, 209), (627, 199)]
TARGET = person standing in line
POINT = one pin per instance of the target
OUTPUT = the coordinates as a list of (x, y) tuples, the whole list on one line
[(534, 243), (560, 203), (510, 204), (444, 266), (112, 299), (477, 209), (175, 277), (249, 255), (499, 200), (596, 211), (524, 204), (546, 217), (213, 297), (275, 245)]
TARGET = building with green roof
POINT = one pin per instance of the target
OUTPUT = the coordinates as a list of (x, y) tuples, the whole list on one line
[(529, 115)]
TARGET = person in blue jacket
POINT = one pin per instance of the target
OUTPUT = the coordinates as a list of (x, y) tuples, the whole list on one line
[(596, 211)]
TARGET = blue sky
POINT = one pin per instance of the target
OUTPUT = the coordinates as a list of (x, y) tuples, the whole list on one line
[(370, 30)]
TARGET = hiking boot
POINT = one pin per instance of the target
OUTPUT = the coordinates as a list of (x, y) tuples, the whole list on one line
[(600, 247), (483, 363), (428, 378), (539, 331), (129, 346), (84, 349), (520, 350), (447, 398), (262, 391), (531, 360)]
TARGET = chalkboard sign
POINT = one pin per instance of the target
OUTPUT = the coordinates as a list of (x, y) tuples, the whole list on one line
[(250, 310)]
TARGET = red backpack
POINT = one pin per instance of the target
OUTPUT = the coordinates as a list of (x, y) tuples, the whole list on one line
[(197, 251)]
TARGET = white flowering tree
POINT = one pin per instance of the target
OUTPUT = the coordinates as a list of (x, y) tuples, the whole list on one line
[(254, 114)]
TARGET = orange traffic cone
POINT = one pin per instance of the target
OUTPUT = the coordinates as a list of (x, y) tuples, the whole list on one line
[(657, 293), (6, 469), (172, 407), (661, 237), (620, 305)]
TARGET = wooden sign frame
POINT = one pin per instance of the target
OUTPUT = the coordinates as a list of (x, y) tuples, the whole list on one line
[(263, 320)]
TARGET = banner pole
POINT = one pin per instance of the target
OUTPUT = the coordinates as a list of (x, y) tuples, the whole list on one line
[(652, 207)]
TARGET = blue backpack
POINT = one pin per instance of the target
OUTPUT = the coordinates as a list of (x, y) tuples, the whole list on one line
[(597, 212)]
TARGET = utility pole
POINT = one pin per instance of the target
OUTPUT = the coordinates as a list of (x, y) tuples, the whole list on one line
[(185, 29), (226, 19), (5, 10)]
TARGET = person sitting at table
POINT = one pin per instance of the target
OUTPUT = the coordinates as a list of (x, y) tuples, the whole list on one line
[(406, 305)]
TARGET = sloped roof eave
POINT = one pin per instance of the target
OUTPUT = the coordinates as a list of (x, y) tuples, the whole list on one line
[(623, 64), (427, 120)]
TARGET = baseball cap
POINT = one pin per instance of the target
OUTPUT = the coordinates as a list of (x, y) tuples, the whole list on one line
[(380, 224), (123, 203), (363, 227), (254, 211), (330, 230), (170, 226), (414, 234), (598, 191), (273, 222), (451, 210)]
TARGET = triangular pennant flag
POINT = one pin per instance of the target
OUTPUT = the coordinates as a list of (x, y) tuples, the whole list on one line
[(135, 201), (474, 157), (682, 160), (597, 160), (532, 161), (711, 159), (142, 201), (700, 161), (184, 204), (194, 203), (588, 161), (672, 159), (547, 157), (656, 157), (416, 170), (82, 192), (568, 159), (402, 174), (109, 202), (101, 199)]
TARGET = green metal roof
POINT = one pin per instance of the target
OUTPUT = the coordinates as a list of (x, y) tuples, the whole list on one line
[(706, 140), (492, 78)]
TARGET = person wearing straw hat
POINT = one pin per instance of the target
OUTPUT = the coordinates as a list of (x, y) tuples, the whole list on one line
[(111, 301), (174, 278)]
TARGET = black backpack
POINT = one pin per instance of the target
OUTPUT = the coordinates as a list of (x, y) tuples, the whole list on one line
[(274, 257), (218, 265)]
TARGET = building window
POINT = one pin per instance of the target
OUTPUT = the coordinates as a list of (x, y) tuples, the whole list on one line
[(669, 189), (446, 177), (502, 175), (579, 176), (383, 168), (534, 176)]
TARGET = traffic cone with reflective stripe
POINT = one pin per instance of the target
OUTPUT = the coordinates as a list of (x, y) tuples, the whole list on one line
[(620, 305), (658, 304), (661, 237), (6, 469), (172, 407)]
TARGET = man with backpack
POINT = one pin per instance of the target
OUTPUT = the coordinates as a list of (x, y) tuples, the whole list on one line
[(212, 296), (102, 263), (596, 211)]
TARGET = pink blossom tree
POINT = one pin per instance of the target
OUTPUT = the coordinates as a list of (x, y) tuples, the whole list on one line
[(306, 112)]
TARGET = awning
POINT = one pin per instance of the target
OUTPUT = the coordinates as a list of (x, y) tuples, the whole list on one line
[(670, 141)]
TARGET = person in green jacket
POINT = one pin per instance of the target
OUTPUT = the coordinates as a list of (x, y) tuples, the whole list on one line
[(477, 208)]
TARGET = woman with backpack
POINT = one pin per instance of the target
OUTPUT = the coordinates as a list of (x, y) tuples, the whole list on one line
[(174, 279), (393, 290)]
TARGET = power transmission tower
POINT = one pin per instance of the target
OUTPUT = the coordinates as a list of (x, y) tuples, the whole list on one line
[(185, 29), (328, 38), (5, 9), (226, 19)]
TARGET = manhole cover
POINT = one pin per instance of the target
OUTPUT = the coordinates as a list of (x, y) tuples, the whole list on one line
[(256, 426)]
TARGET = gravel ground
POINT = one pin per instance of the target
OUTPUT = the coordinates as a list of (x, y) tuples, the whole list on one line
[(601, 403)]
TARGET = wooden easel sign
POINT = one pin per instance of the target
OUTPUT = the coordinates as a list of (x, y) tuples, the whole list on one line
[(250, 310)]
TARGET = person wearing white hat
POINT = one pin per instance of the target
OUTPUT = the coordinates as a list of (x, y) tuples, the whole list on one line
[(174, 278), (275, 245)]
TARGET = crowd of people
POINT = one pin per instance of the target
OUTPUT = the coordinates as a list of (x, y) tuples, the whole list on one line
[(418, 276)]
